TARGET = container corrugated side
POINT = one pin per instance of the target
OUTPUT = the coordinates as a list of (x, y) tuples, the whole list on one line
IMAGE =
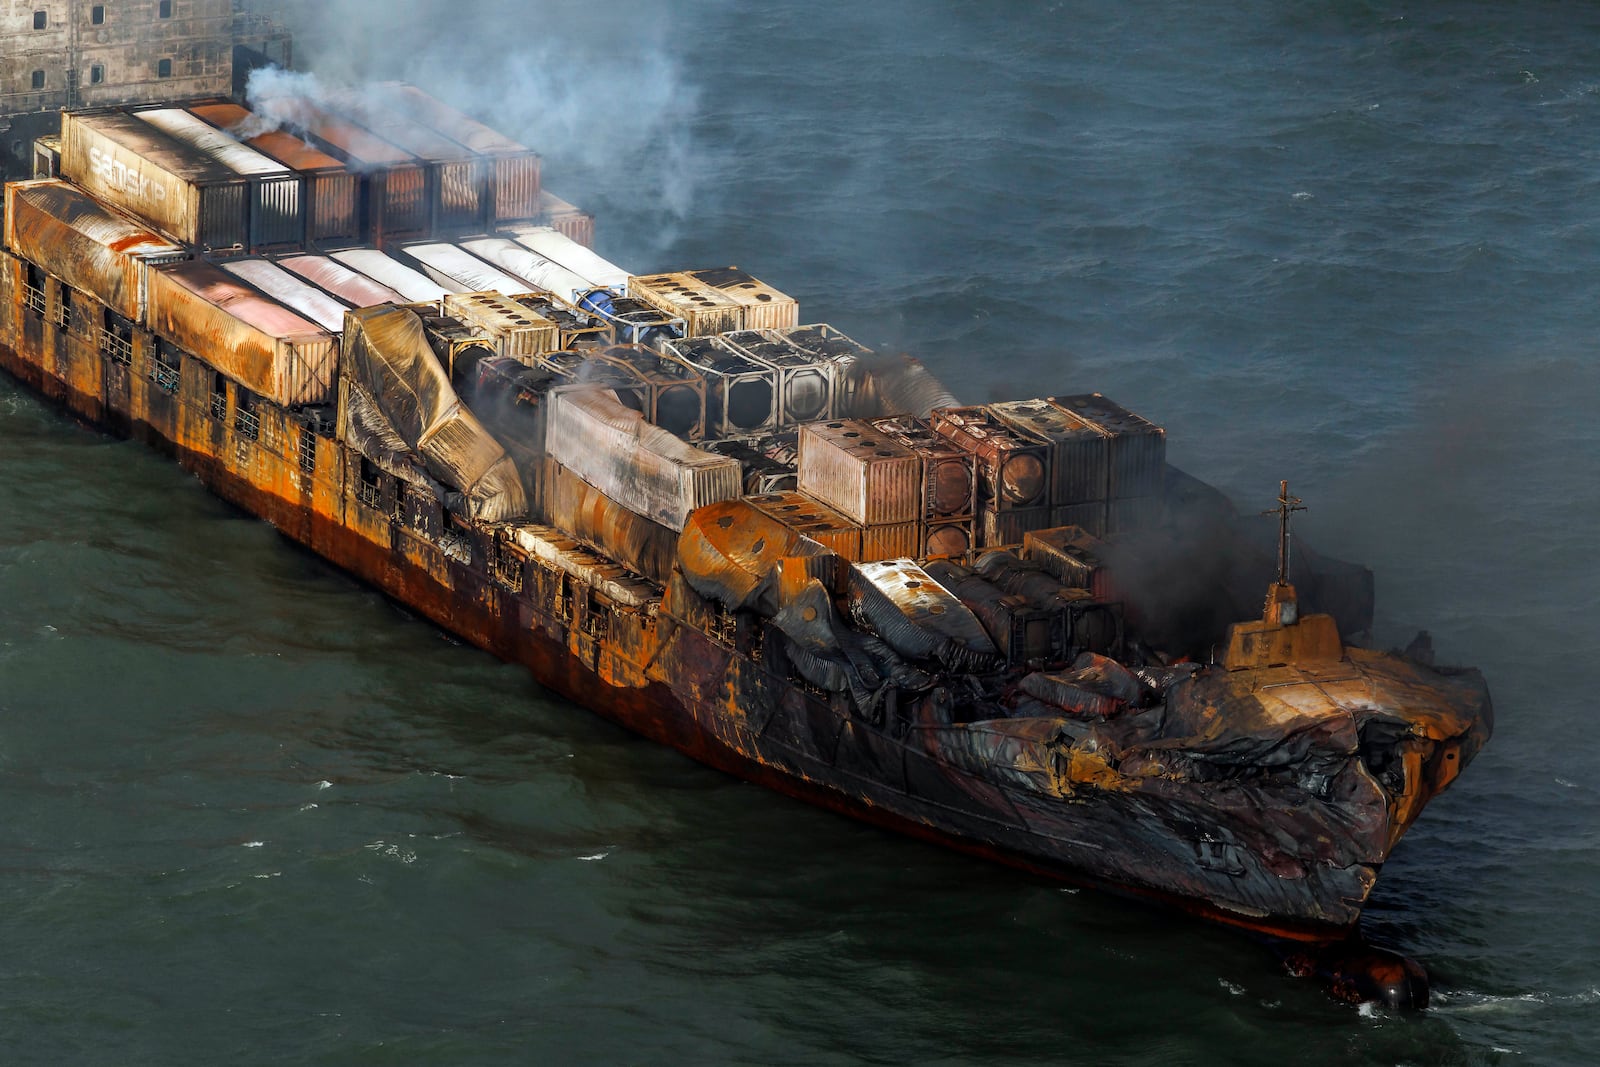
[(89, 247), (1138, 447), (868, 476), (1009, 527), (261, 345), (277, 203), (515, 169), (1090, 517), (1080, 453), (640, 466), (901, 540), (566, 218), (557, 247), (176, 188)]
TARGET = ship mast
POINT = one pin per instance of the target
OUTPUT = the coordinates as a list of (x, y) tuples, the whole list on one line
[(1287, 505)]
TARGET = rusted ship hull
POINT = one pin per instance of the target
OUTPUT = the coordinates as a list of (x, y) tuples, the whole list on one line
[(1275, 857)]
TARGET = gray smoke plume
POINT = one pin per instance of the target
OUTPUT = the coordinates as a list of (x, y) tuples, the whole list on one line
[(605, 101)]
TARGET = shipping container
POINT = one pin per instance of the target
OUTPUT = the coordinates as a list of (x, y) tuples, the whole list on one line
[(1073, 555), (514, 169), (450, 265), (806, 382), (949, 474), (86, 245), (395, 201), (257, 342), (1009, 527), (516, 330), (332, 192), (705, 309), (741, 394), (581, 369), (557, 247), (868, 476), (574, 327), (950, 539), (814, 519), (176, 188), (277, 201), (640, 466), (566, 218), (1080, 456), (1138, 447), (675, 393), (1090, 517), (350, 286), (1013, 466), (387, 271), (290, 291), (458, 179), (47, 156), (764, 307), (900, 540), (762, 473), (530, 267)]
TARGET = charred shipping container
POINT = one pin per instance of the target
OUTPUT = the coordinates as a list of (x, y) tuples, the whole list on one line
[(395, 200), (537, 272), (292, 292), (338, 280), (180, 190), (741, 394), (559, 248), (455, 268), (277, 200), (331, 190), (384, 269), (88, 246)]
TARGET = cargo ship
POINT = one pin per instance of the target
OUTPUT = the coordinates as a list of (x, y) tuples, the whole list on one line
[(1010, 628)]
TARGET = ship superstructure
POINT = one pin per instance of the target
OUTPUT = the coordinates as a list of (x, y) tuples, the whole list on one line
[(739, 533)]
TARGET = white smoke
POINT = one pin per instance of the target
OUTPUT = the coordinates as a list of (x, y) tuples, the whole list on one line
[(606, 102), (277, 100)]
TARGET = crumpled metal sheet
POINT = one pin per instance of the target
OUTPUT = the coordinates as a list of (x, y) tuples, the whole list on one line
[(363, 427), (387, 355), (733, 553), (917, 616), (1064, 690), (590, 515)]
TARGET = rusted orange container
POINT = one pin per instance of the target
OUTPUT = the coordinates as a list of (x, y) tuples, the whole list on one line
[(949, 474), (1014, 466), (870, 477), (1137, 454), (809, 516)]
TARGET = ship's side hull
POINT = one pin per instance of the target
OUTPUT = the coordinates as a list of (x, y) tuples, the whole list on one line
[(657, 671)]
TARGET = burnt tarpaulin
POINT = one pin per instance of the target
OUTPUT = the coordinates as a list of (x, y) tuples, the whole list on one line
[(917, 616), (387, 355), (363, 426)]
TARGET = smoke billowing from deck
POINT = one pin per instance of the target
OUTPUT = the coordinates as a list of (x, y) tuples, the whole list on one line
[(605, 101)]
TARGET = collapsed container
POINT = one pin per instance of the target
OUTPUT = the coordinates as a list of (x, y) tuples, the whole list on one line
[(251, 339), (331, 191), (277, 202), (811, 517), (641, 466), (175, 187), (88, 246)]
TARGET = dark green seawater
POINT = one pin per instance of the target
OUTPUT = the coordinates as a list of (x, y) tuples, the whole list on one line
[(253, 812)]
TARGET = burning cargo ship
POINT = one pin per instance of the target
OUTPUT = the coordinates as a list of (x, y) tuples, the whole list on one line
[(741, 535)]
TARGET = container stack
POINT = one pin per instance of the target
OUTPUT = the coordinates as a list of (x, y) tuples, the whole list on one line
[(574, 328), (806, 383), (741, 395), (949, 496), (1013, 472), (1136, 462), (673, 392), (1079, 460), (868, 477), (566, 218)]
